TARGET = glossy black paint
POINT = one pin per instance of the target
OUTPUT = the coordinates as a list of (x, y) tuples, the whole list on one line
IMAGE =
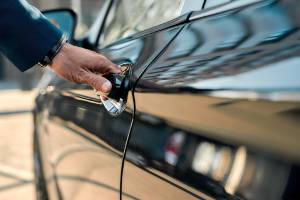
[(77, 109), (214, 105), (223, 87)]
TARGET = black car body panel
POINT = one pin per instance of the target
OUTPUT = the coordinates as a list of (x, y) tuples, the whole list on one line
[(213, 113), (79, 129)]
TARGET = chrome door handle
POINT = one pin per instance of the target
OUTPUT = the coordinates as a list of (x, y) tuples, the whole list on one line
[(120, 86), (115, 101)]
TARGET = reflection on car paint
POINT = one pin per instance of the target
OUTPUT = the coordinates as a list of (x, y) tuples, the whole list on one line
[(205, 164), (246, 49), (173, 147), (217, 114), (72, 113), (229, 83)]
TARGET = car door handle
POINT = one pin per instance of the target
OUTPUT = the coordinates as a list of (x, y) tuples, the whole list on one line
[(120, 84), (115, 101)]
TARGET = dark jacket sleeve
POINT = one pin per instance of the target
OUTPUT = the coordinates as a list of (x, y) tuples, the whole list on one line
[(26, 36)]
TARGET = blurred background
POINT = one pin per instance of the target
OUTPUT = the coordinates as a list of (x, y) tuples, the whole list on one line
[(11, 77), (16, 101)]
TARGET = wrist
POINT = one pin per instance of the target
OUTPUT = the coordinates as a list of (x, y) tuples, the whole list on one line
[(47, 60), (61, 56)]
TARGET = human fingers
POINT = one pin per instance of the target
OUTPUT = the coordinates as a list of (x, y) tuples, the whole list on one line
[(97, 82), (103, 65)]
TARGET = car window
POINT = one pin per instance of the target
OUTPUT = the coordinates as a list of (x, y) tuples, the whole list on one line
[(191, 5), (212, 3), (86, 10), (131, 16)]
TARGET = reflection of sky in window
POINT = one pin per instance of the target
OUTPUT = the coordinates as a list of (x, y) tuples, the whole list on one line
[(282, 75)]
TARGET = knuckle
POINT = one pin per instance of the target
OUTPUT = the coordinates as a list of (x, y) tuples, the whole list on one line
[(82, 76)]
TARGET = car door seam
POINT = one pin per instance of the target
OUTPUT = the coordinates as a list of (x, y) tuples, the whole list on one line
[(134, 107)]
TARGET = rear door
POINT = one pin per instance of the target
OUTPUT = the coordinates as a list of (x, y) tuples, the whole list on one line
[(214, 112), (87, 141)]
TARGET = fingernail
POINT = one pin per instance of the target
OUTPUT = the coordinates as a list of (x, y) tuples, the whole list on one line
[(106, 87)]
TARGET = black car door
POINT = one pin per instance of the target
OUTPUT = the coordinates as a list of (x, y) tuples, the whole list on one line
[(216, 111), (86, 137)]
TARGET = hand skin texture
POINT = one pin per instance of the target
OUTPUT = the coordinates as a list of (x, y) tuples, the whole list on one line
[(84, 66)]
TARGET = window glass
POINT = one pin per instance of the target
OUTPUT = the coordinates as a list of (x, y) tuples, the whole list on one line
[(191, 5), (86, 10), (131, 16)]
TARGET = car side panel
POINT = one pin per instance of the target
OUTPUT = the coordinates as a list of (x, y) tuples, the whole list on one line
[(217, 113), (83, 143)]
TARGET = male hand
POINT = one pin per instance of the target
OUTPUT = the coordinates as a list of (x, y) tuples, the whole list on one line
[(84, 66)]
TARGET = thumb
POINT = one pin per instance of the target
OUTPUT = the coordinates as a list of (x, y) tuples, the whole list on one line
[(98, 82)]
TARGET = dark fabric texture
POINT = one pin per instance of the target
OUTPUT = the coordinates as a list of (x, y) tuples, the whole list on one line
[(26, 36)]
